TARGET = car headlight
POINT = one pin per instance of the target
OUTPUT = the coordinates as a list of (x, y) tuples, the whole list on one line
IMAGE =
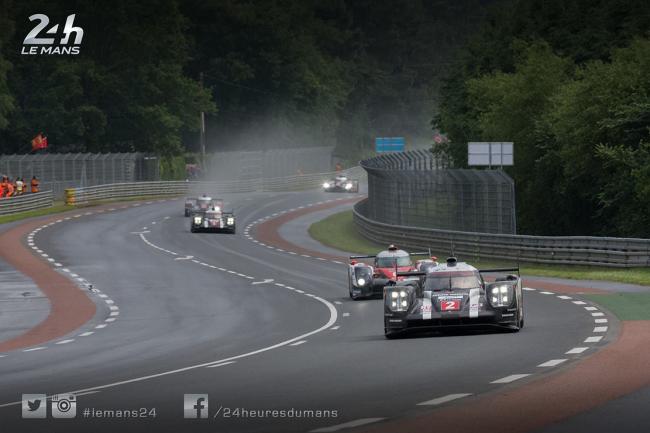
[(217, 208), (230, 221), (399, 300), (326, 185), (361, 281), (197, 220), (348, 186), (501, 296)]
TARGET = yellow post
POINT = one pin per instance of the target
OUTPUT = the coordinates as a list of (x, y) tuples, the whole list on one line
[(70, 196)]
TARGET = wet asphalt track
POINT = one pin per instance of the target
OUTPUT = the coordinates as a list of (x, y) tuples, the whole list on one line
[(179, 313)]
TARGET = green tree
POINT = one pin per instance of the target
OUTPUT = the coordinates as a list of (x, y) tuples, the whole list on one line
[(509, 107), (125, 91), (608, 104), (6, 98)]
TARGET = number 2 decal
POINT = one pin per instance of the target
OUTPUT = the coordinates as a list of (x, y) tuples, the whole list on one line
[(449, 305)]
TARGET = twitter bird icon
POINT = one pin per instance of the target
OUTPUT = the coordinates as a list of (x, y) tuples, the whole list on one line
[(33, 406)]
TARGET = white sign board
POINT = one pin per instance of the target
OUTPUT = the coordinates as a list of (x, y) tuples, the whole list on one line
[(490, 153)]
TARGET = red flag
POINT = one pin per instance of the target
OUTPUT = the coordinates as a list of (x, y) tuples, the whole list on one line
[(39, 142), (36, 142)]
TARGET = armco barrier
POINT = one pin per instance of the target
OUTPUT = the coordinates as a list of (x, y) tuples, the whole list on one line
[(574, 250), (138, 189), (25, 202)]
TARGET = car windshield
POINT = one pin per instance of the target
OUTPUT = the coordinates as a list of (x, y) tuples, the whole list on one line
[(389, 262), (451, 282)]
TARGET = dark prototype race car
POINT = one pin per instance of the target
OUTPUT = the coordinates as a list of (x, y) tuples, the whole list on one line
[(214, 219), (201, 204), (366, 280), (453, 294), (341, 184)]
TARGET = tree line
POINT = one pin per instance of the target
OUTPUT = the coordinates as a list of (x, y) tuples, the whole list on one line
[(569, 84), (277, 73)]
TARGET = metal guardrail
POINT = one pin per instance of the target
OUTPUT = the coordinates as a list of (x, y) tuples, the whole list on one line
[(137, 189), (574, 250), (26, 202)]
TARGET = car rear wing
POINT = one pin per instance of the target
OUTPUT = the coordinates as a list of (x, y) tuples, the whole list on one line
[(499, 270), (362, 257)]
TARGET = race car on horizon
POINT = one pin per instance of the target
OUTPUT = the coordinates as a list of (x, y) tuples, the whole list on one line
[(341, 184), (366, 280), (214, 219), (453, 294), (201, 204)]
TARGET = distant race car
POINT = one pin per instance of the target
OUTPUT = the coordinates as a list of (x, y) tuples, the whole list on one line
[(214, 219), (366, 280), (453, 294), (201, 204), (341, 184), (190, 205)]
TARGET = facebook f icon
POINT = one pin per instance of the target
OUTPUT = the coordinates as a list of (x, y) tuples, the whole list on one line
[(195, 406)]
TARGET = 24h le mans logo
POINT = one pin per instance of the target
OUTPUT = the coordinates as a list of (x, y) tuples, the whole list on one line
[(34, 44)]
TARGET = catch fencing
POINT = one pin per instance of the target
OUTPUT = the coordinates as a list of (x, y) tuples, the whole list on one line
[(413, 189), (267, 164), (574, 250), (58, 171), (26, 202), (142, 189)]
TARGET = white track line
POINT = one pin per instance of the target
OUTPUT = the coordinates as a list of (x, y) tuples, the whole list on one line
[(600, 329), (441, 400), (220, 365), (34, 349), (351, 424), (510, 378), (594, 339), (552, 363), (576, 350), (298, 343)]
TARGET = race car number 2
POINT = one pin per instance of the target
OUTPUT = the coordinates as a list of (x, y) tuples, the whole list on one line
[(449, 305)]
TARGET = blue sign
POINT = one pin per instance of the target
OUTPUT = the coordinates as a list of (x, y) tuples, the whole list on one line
[(389, 144)]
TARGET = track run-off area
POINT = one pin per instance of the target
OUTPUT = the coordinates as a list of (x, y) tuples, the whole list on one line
[(143, 312)]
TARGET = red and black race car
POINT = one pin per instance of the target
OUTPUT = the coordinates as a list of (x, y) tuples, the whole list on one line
[(366, 280), (201, 204)]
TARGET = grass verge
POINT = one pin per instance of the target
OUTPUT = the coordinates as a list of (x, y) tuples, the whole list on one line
[(57, 207), (60, 206), (626, 306), (338, 231)]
